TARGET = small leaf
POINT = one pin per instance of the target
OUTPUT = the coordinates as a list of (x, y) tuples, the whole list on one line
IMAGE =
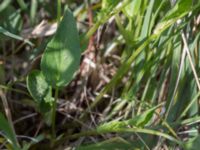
[(62, 55), (11, 20), (39, 90)]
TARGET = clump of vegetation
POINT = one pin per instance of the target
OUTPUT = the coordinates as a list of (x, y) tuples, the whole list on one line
[(110, 74)]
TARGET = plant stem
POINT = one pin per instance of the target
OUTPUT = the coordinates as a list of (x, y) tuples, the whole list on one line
[(58, 10), (54, 115)]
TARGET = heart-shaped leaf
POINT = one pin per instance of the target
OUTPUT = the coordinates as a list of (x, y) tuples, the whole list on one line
[(39, 90), (62, 55)]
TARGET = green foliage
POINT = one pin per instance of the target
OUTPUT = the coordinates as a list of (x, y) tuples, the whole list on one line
[(11, 20), (59, 62), (138, 121), (8, 132), (40, 90), (4, 5), (111, 144), (133, 8), (14, 36), (109, 4), (62, 54), (142, 48), (193, 143), (180, 10)]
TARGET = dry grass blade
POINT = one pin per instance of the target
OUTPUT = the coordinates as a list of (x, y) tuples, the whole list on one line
[(7, 110), (186, 47)]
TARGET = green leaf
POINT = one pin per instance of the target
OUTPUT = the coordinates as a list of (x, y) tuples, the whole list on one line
[(138, 121), (147, 20), (4, 5), (11, 20), (142, 119), (62, 55), (33, 11), (37, 140), (14, 36), (111, 144), (133, 8), (109, 4), (7, 131), (40, 90), (181, 9), (193, 144), (22, 4)]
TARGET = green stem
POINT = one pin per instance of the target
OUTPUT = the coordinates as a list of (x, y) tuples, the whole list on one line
[(58, 10), (54, 115)]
